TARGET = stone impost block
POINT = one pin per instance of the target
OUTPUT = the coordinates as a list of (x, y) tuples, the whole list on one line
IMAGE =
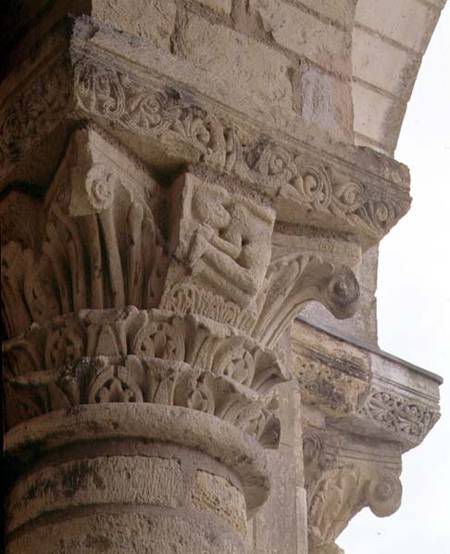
[(167, 125), (362, 408), (263, 72), (306, 35)]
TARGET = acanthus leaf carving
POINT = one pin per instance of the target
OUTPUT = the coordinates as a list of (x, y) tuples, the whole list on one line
[(339, 487), (101, 245)]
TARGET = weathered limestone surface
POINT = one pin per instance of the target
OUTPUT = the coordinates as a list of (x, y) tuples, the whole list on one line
[(361, 410), (179, 181)]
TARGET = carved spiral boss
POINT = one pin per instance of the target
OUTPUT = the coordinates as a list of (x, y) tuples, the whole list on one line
[(105, 308)]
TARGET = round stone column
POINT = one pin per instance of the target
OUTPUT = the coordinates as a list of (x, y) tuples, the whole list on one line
[(132, 478)]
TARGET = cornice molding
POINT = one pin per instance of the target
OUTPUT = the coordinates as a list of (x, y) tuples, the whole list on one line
[(332, 186)]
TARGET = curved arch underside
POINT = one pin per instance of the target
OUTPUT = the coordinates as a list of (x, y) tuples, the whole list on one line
[(390, 38)]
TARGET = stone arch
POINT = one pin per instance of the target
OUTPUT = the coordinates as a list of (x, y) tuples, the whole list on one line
[(398, 34)]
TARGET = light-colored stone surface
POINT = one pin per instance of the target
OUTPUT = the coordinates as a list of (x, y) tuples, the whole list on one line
[(263, 72), (377, 115), (399, 41), (212, 493), (113, 480), (204, 189), (395, 66), (363, 325), (151, 20), (306, 35), (127, 534), (410, 22), (153, 422), (220, 6), (339, 12), (324, 100)]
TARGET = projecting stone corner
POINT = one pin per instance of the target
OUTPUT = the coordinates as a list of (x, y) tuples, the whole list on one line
[(362, 410)]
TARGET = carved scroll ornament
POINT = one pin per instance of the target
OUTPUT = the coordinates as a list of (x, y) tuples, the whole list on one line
[(279, 172)]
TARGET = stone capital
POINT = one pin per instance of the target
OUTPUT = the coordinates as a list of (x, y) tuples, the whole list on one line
[(343, 476), (362, 409), (120, 288)]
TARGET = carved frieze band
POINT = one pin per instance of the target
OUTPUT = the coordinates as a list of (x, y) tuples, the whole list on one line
[(402, 417), (280, 173), (355, 388), (34, 112), (303, 188)]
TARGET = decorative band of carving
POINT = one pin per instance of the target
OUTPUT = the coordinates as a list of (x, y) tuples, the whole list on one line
[(299, 185), (132, 355), (145, 379), (34, 113), (402, 417)]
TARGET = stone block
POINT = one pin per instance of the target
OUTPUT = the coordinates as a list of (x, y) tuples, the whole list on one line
[(395, 68), (371, 122), (102, 480), (342, 12), (219, 6), (275, 527), (126, 533), (306, 35), (325, 100), (152, 20), (214, 494), (262, 73), (410, 22)]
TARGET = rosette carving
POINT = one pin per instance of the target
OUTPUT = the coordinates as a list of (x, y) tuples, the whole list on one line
[(143, 356), (100, 186)]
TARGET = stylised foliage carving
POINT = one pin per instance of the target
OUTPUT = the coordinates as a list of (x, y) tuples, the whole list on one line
[(107, 237), (404, 417), (105, 356), (100, 247), (337, 489), (294, 182), (34, 112)]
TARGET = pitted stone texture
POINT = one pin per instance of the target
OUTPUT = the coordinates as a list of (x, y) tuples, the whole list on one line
[(306, 35), (262, 71), (215, 494), (325, 100), (128, 533), (188, 428), (220, 6), (152, 20), (102, 480)]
